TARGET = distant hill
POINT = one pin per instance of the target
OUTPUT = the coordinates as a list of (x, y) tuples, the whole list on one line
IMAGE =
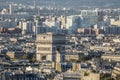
[(72, 3)]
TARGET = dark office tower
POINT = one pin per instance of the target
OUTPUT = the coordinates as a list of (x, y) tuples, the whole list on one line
[(100, 15)]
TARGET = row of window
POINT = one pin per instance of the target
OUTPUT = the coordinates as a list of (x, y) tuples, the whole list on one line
[(44, 48)]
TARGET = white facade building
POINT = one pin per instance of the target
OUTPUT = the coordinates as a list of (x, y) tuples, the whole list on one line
[(89, 17), (26, 27), (51, 25)]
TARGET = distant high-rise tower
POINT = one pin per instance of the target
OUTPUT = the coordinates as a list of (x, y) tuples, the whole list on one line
[(119, 17), (10, 8), (35, 4)]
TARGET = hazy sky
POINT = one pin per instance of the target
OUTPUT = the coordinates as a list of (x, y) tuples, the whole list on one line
[(71, 3)]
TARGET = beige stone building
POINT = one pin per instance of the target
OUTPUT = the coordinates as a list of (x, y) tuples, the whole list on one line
[(115, 22), (116, 72), (102, 48), (111, 57), (76, 67), (92, 76), (47, 45), (77, 75), (11, 54)]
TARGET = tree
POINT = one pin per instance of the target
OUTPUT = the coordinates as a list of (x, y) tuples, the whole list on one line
[(105, 76), (33, 59), (86, 74), (25, 56)]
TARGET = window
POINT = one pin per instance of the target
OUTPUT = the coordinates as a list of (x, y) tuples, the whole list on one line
[(44, 48), (43, 58), (44, 37)]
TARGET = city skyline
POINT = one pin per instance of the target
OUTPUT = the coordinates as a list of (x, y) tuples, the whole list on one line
[(59, 40), (71, 3)]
